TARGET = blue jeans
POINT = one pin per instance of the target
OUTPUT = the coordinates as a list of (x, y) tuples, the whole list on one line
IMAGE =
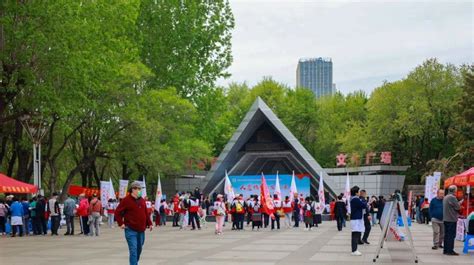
[(135, 241)]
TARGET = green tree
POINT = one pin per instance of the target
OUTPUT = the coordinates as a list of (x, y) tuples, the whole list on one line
[(187, 44)]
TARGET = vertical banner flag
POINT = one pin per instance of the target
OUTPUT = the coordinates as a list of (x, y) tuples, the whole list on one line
[(436, 183), (266, 200), (322, 199), (123, 188), (347, 193), (228, 190), (410, 195), (111, 191), (104, 191), (293, 189), (159, 194), (277, 187), (143, 187)]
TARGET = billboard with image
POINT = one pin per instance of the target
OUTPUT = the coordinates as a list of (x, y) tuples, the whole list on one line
[(250, 184)]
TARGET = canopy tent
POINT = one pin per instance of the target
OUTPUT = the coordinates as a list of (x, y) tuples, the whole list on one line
[(464, 179), (10, 185)]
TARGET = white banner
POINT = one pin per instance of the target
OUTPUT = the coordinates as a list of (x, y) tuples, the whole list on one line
[(104, 191), (293, 189), (322, 199), (143, 183), (277, 187), (112, 190), (123, 188), (159, 194)]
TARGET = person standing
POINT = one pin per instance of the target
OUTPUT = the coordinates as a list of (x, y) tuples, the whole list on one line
[(288, 210), (16, 211), (219, 213), (193, 212), (296, 210), (132, 216), (54, 212), (95, 212), (3, 216), (26, 216), (69, 212), (163, 212), (425, 209), (111, 206), (357, 222), (436, 213), (277, 206), (83, 213), (367, 218), (373, 209), (451, 207), (34, 220), (257, 215), (308, 214), (340, 212), (318, 209), (41, 215)]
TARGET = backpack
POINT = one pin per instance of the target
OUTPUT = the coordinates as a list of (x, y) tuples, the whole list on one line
[(239, 208)]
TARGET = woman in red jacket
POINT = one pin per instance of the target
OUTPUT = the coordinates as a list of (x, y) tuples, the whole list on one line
[(83, 213)]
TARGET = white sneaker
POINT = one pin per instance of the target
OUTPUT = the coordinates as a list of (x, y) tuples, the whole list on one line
[(356, 253)]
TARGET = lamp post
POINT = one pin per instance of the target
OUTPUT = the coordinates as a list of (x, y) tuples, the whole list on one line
[(36, 130)]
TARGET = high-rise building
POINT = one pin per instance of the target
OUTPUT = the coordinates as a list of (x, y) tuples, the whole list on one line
[(315, 74)]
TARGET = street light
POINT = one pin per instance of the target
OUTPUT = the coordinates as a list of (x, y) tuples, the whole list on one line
[(36, 130)]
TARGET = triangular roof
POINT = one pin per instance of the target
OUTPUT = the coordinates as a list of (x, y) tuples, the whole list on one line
[(259, 113)]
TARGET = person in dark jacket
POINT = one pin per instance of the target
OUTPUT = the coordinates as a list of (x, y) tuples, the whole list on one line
[(40, 215), (436, 213), (357, 222), (340, 211), (367, 218), (451, 209), (380, 206), (296, 211)]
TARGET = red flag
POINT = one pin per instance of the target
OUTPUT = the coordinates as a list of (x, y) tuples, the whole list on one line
[(267, 202)]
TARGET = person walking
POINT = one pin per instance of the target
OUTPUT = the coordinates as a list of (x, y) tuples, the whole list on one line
[(69, 211), (41, 215), (132, 216), (219, 213), (308, 212), (357, 222), (340, 211), (34, 219), (95, 212), (436, 213), (367, 218), (83, 213), (451, 207), (55, 213)]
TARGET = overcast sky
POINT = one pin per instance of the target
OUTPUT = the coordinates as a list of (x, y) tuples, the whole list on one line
[(368, 41)]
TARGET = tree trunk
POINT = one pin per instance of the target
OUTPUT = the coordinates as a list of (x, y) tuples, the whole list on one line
[(85, 161)]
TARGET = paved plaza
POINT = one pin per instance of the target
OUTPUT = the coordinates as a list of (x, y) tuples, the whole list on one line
[(325, 245)]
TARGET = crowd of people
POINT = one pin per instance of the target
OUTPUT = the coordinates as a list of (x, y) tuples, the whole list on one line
[(190, 209)]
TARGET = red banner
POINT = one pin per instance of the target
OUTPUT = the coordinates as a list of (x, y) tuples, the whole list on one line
[(75, 190), (266, 200)]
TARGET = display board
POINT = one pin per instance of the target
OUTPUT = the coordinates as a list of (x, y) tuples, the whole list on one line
[(250, 184)]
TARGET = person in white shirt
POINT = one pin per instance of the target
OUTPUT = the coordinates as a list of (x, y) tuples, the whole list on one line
[(287, 206)]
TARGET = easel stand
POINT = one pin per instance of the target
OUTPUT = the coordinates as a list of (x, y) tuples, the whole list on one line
[(386, 226)]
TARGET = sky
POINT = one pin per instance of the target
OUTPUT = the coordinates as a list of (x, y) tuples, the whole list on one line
[(369, 41)]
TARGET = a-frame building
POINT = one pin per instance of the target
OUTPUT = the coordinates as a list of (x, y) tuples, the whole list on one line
[(262, 143)]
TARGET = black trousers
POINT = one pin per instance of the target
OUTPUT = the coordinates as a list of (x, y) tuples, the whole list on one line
[(70, 224), (42, 223), (296, 217), (55, 224), (367, 230), (2, 224), (277, 221), (426, 216), (175, 219), (35, 223), (240, 220), (249, 218), (194, 217), (85, 226), (449, 236), (339, 220), (355, 237), (266, 220), (20, 228)]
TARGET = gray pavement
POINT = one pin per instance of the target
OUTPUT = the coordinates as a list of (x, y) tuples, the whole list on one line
[(324, 245)]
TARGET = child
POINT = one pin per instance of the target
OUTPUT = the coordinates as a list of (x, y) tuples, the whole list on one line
[(308, 214)]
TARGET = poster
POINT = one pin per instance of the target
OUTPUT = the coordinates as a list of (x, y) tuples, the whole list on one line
[(123, 188), (104, 191), (250, 184)]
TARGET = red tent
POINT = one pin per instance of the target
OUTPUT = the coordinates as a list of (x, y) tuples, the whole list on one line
[(9, 185), (464, 179)]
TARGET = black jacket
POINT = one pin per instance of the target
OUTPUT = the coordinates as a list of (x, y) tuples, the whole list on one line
[(340, 209)]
